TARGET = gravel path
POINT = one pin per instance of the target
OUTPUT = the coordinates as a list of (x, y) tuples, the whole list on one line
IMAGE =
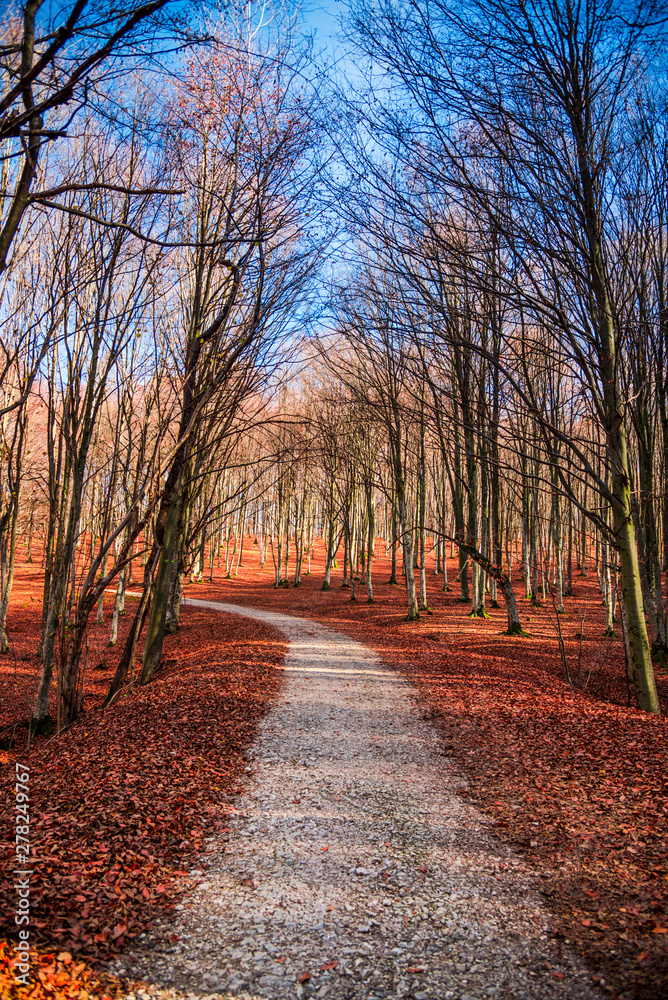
[(353, 869)]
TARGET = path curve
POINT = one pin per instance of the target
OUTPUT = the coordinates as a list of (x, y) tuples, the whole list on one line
[(352, 859)]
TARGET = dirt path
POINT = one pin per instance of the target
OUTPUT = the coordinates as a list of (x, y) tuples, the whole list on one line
[(353, 869)]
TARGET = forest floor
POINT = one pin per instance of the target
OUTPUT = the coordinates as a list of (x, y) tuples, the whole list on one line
[(121, 803), (354, 869), (573, 779)]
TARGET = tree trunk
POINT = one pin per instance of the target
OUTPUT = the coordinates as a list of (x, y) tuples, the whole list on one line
[(157, 620), (371, 521), (119, 602), (126, 662), (393, 568), (7, 562), (640, 662), (422, 527)]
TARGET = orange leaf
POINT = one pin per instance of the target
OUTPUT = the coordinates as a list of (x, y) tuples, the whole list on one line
[(327, 966)]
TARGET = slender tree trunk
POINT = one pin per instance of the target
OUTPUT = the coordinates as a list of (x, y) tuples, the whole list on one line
[(583, 534), (371, 525), (514, 624), (7, 563), (406, 534), (127, 660), (393, 548), (640, 661), (157, 619), (422, 527), (119, 601), (332, 546), (347, 558)]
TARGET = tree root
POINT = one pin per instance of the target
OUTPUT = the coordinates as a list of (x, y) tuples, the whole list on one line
[(42, 727), (516, 629)]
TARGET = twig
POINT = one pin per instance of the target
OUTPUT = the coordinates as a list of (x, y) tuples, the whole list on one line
[(562, 647)]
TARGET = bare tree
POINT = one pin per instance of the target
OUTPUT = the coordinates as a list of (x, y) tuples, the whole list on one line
[(241, 135), (53, 58), (519, 113)]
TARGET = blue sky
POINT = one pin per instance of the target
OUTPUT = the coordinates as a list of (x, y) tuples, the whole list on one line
[(321, 17)]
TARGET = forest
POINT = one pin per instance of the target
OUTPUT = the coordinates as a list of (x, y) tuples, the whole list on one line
[(380, 331)]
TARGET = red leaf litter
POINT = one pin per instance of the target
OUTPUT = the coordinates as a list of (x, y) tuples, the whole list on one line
[(575, 780), (122, 804)]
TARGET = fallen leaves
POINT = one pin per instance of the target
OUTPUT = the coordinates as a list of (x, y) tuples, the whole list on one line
[(120, 814), (55, 977), (589, 773), (588, 770)]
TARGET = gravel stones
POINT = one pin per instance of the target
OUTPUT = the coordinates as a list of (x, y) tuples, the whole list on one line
[(353, 869)]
